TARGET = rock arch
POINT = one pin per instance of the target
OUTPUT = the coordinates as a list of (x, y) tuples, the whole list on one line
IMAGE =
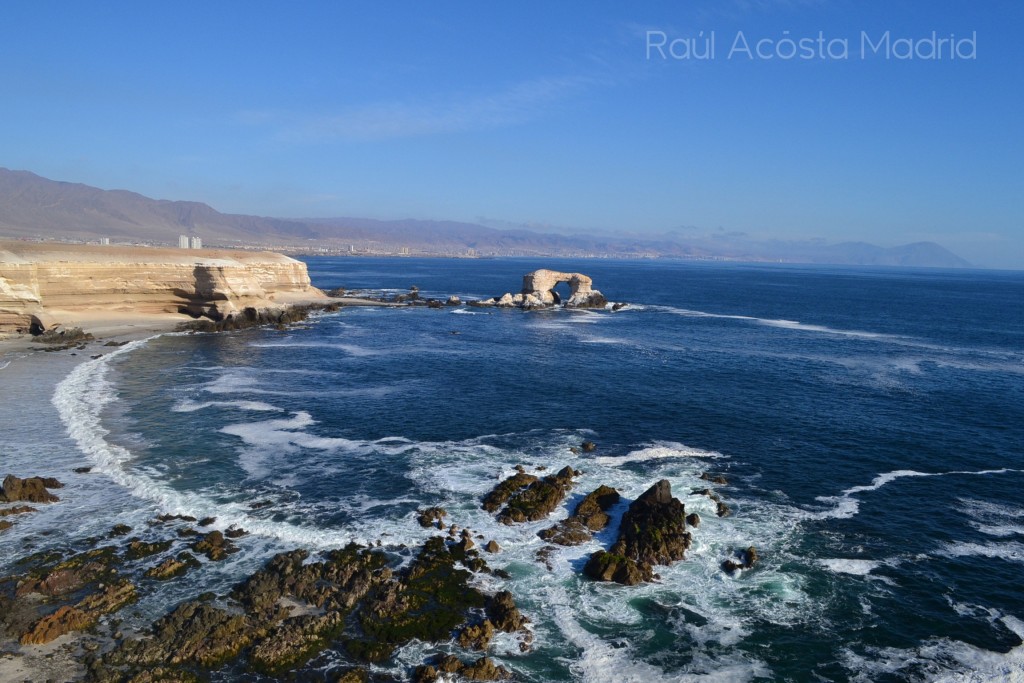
[(541, 284)]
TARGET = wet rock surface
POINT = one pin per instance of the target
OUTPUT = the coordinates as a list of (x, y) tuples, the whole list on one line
[(30, 490), (538, 499), (590, 515), (653, 532)]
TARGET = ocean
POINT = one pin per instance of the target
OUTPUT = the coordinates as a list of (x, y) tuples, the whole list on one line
[(870, 423)]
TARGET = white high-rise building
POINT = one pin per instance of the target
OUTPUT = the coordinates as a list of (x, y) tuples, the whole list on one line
[(196, 242), (182, 241)]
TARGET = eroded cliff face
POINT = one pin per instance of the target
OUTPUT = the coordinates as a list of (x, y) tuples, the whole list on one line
[(41, 283)]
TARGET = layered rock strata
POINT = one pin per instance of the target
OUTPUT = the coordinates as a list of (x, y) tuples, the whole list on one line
[(41, 284)]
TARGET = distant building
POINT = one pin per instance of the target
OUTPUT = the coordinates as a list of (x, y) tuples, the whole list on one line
[(404, 251), (183, 241), (105, 241), (196, 242)]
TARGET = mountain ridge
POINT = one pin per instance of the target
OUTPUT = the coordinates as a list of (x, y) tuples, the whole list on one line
[(34, 207)]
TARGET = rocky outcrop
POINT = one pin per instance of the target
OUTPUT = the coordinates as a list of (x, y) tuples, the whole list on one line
[(31, 490), (590, 516), (45, 284), (744, 559), (529, 498), (653, 532), (539, 292)]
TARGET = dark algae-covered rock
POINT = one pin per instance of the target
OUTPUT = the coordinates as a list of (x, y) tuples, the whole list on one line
[(538, 499), (653, 531), (503, 491), (430, 600), (590, 516)]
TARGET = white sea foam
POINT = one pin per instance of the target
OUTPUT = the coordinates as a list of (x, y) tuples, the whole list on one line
[(993, 519), (854, 567), (656, 451), (466, 311), (846, 506), (80, 399), (190, 406), (1011, 551), (350, 349), (941, 660)]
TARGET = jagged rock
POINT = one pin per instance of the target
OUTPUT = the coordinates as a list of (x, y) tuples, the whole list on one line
[(207, 521), (137, 548), (477, 637), (5, 525), (214, 546), (492, 546), (171, 518), (590, 516), (431, 517), (716, 479), (431, 600), (653, 531), (173, 567), (68, 575), (503, 614), (605, 566), (235, 532), (589, 446), (194, 633), (31, 490), (83, 615), (503, 491), (746, 560), (357, 675), (453, 301), (120, 530), (539, 499), (484, 669), (693, 520), (82, 470), (293, 641)]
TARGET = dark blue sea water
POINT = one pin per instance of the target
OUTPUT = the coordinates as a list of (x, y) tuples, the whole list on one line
[(870, 423)]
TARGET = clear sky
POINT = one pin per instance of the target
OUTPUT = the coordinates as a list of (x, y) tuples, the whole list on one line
[(552, 114)]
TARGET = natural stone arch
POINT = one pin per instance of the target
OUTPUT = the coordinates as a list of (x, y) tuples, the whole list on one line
[(541, 284)]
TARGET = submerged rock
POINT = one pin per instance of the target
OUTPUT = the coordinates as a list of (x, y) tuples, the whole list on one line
[(431, 517), (746, 560)]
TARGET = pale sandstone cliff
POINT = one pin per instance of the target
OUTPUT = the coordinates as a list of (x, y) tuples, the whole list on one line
[(43, 284)]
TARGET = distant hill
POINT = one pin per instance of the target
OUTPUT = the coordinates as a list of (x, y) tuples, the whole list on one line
[(38, 208)]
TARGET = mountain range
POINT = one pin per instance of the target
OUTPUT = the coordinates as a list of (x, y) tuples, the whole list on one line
[(33, 207)]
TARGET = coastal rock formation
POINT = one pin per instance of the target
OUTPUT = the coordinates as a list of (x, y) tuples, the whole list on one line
[(529, 498), (539, 292), (44, 284), (590, 516), (653, 532), (32, 489)]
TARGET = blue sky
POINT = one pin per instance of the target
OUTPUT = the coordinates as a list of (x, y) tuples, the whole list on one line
[(538, 113)]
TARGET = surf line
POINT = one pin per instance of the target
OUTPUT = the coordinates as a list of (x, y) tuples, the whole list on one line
[(847, 506), (81, 397)]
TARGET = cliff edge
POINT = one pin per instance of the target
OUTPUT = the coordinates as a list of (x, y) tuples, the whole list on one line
[(43, 285)]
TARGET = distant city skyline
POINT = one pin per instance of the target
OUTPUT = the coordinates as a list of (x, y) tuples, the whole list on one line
[(839, 120)]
